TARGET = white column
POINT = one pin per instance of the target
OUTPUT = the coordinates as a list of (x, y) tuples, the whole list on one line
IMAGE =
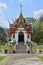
[(12, 37), (30, 37), (25, 37), (16, 38)]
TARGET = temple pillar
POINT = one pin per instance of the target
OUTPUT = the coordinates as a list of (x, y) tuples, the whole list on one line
[(30, 37), (12, 37), (25, 37), (16, 38)]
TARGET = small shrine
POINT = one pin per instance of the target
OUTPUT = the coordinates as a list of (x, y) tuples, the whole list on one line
[(20, 31)]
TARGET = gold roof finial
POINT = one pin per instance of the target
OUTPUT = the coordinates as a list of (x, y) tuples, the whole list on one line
[(21, 16), (21, 9)]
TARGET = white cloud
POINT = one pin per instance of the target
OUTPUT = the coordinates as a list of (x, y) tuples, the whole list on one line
[(4, 23), (38, 13), (3, 5)]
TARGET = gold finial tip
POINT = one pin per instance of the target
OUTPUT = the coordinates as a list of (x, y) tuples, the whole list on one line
[(21, 5), (21, 8)]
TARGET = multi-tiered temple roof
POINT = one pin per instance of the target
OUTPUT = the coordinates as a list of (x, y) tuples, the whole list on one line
[(21, 21)]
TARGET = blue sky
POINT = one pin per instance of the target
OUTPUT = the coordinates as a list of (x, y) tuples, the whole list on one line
[(11, 9)]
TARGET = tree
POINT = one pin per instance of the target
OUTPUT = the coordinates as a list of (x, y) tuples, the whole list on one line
[(3, 36), (38, 32)]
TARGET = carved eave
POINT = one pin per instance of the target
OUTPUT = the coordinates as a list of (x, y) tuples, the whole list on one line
[(22, 24)]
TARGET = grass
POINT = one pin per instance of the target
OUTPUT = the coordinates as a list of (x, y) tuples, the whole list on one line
[(0, 50), (38, 47), (6, 47), (41, 58), (3, 47), (2, 58)]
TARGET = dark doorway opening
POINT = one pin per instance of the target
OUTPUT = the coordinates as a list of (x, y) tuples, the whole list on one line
[(21, 37)]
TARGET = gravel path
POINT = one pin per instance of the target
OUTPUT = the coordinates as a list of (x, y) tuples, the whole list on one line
[(22, 59), (26, 62)]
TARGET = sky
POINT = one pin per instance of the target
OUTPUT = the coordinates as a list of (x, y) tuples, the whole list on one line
[(11, 9)]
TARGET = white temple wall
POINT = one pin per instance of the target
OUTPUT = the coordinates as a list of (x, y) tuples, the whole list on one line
[(25, 35), (17, 33)]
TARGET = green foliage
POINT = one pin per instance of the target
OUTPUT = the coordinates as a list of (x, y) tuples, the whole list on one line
[(37, 35), (10, 50), (32, 20), (0, 50), (41, 58), (2, 58), (38, 47), (3, 36), (3, 47)]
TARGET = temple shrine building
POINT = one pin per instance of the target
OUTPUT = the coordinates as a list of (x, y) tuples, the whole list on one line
[(21, 31)]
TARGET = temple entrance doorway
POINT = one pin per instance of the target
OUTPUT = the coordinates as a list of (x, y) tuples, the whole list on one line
[(21, 37)]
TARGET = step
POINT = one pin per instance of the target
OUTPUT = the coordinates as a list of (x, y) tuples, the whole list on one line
[(20, 48)]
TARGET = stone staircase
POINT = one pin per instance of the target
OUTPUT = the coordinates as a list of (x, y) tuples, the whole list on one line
[(21, 48)]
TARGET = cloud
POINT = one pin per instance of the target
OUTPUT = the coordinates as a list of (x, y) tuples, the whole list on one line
[(4, 23), (38, 13), (3, 5)]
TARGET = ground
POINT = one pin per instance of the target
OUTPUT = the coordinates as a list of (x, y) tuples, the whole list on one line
[(21, 59)]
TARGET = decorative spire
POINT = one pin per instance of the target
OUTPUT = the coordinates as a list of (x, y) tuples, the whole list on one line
[(21, 9), (21, 16)]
